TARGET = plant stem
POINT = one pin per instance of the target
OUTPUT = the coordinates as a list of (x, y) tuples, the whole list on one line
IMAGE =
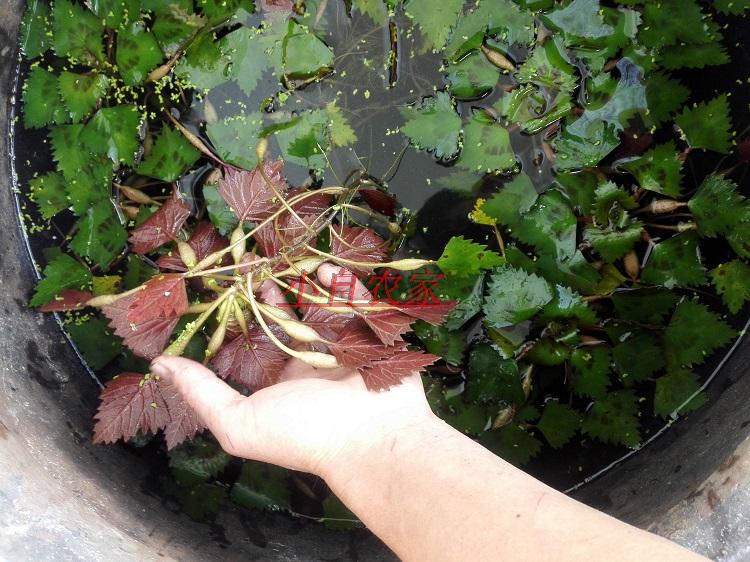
[(177, 347)]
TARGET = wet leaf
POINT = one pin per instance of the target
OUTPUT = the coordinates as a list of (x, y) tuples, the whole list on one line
[(97, 344), (487, 147), (62, 273), (514, 296), (262, 486), (591, 371), (648, 306), (114, 132), (694, 332), (614, 419), (35, 38), (559, 423), (433, 125), (580, 18), (472, 77), (492, 379), (638, 355), (197, 461), (48, 191), (42, 105), (76, 33), (677, 393), (81, 92), (161, 227), (707, 125), (676, 262), (170, 156), (732, 282), (450, 345), (138, 53), (464, 258), (435, 21), (512, 443), (659, 170), (101, 236)]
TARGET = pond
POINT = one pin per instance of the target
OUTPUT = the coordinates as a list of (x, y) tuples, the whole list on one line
[(573, 177)]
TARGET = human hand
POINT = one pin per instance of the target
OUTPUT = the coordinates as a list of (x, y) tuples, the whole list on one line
[(310, 421)]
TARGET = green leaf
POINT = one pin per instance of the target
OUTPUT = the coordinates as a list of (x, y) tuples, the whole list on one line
[(559, 423), (512, 443), (472, 77), (137, 271), (677, 394), (219, 213), (676, 263), (81, 92), (550, 226), (546, 67), (196, 461), (335, 514), (613, 233), (76, 33), (464, 258), (637, 356), (435, 20), (116, 13), (659, 170), (204, 66), (734, 7), (514, 296), (48, 191), (718, 207), (101, 236), (174, 25), (262, 486), (114, 132), (694, 56), (487, 146), (491, 379), (614, 419), (708, 125), (375, 9), (567, 305), (732, 282), (96, 342), (470, 419), (92, 184), (694, 332), (580, 18), (433, 125), (138, 53), (235, 139), (202, 502), (65, 140), (239, 62), (304, 55), (224, 9), (42, 105), (671, 22), (591, 371), (171, 156), (648, 306), (665, 95), (514, 199), (469, 292), (438, 340), (62, 273), (585, 150), (342, 133), (306, 139), (35, 29)]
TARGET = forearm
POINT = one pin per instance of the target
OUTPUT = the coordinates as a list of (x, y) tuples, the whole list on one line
[(432, 494)]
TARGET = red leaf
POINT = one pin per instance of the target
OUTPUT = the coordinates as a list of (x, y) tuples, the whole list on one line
[(387, 372), (146, 339), (248, 194), (328, 324), (431, 312), (287, 233), (254, 362), (358, 244), (285, 6), (358, 347), (163, 296), (184, 422), (316, 204), (68, 299), (379, 201), (130, 404), (161, 227), (205, 241), (389, 325)]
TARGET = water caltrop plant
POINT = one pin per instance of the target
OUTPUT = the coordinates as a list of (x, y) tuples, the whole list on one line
[(611, 230)]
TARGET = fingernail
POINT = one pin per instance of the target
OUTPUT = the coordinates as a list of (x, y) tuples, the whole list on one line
[(159, 369)]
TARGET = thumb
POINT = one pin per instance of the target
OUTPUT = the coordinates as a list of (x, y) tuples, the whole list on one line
[(215, 402)]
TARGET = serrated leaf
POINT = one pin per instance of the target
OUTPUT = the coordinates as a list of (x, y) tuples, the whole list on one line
[(253, 361), (546, 67), (41, 101), (91, 184), (383, 374), (81, 92), (235, 139), (67, 299), (76, 33), (163, 296), (472, 77), (204, 241), (464, 258), (101, 236), (96, 343), (588, 149), (238, 61), (694, 56), (512, 443), (433, 125), (648, 306), (732, 282), (659, 170), (694, 332), (734, 7), (62, 273), (677, 393), (35, 39), (375, 9), (219, 213), (665, 95), (116, 13), (672, 22), (170, 156), (137, 271), (718, 207), (138, 53), (304, 54), (201, 502), (262, 486), (614, 419), (175, 24), (389, 326), (358, 244), (435, 21), (248, 194), (131, 403), (559, 423), (708, 125), (591, 371), (676, 262), (638, 356), (48, 191), (450, 345), (491, 379), (204, 66), (342, 133), (161, 227), (580, 18), (514, 296), (567, 305), (197, 461), (114, 132), (487, 147)]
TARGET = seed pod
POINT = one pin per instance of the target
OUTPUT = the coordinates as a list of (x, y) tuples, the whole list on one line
[(498, 59), (103, 300), (217, 338), (409, 264), (632, 265), (505, 416), (240, 249), (187, 254), (309, 265), (261, 149), (135, 195), (663, 206), (129, 211), (317, 359), (685, 226), (294, 328)]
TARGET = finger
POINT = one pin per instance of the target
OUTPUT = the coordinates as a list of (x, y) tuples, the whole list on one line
[(271, 294), (214, 401), (327, 273)]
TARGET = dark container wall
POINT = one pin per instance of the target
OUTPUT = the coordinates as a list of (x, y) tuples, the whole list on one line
[(61, 498)]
